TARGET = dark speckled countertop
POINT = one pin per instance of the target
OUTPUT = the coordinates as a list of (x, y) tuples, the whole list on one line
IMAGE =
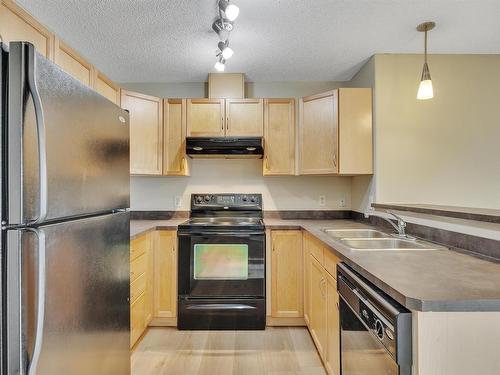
[(441, 280)]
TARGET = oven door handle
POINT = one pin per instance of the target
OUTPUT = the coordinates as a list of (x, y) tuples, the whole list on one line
[(228, 234), (221, 306)]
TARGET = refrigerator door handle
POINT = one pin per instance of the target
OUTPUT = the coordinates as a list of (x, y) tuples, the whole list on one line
[(40, 301), (40, 126)]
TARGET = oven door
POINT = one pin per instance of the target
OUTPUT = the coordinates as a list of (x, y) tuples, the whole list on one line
[(222, 264), (361, 352)]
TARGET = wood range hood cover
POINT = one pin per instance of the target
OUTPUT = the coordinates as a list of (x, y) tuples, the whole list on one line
[(224, 147)]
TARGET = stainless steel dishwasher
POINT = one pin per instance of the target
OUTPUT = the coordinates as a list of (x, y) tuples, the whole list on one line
[(375, 331)]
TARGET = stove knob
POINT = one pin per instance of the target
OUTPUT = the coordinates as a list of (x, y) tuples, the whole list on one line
[(199, 199), (244, 199), (207, 198), (252, 199)]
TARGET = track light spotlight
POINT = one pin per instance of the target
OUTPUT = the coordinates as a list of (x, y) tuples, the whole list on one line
[(230, 10), (227, 52), (220, 64)]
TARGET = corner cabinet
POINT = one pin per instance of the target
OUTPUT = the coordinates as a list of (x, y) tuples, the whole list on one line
[(174, 138), (146, 132), (335, 132), (279, 137), (286, 274)]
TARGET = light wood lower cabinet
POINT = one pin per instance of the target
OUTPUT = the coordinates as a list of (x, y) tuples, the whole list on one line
[(17, 25), (322, 302), (146, 132), (332, 360), (279, 137), (286, 274), (141, 286), (165, 274)]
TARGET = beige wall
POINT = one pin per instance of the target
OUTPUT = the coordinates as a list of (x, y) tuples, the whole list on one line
[(279, 193), (441, 151)]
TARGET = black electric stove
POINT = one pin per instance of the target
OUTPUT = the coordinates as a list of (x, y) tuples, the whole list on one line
[(221, 266)]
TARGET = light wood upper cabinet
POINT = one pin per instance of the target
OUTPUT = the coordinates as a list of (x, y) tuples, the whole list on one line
[(337, 125), (165, 274), (72, 63), (332, 362), (355, 132), (318, 309), (17, 25), (244, 117), (107, 88), (174, 138), (146, 132), (319, 134), (226, 85), (286, 274), (279, 137), (205, 117)]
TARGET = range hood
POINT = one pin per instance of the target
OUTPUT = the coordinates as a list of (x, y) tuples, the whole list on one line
[(224, 147)]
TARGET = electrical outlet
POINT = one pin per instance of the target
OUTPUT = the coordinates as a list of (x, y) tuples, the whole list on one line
[(322, 201), (342, 202), (177, 201)]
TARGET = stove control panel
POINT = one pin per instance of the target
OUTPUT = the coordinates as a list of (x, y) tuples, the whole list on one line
[(226, 201)]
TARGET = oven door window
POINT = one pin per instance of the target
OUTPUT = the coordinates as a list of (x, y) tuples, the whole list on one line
[(220, 262), (361, 352)]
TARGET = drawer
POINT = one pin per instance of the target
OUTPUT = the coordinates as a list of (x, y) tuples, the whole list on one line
[(331, 261), (138, 267), (137, 318), (314, 247), (139, 246), (137, 287)]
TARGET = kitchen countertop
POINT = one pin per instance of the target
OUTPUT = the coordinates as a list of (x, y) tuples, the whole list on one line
[(440, 280)]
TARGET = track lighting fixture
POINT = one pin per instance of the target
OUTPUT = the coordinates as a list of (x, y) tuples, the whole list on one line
[(230, 10), (425, 90), (220, 64), (226, 51)]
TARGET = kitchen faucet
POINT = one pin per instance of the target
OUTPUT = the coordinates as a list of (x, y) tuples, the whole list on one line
[(400, 226)]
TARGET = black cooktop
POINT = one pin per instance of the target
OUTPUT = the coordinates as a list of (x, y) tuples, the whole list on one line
[(224, 223)]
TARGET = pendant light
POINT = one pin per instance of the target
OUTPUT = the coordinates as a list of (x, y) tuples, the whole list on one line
[(425, 90)]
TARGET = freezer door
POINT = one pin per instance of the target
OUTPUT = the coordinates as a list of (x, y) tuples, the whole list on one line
[(68, 306), (68, 146)]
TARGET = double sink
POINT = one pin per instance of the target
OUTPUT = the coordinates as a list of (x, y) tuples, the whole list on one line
[(371, 239)]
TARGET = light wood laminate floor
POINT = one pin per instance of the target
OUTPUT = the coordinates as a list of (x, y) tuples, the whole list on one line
[(275, 351)]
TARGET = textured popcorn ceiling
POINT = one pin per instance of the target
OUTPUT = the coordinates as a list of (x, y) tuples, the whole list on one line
[(274, 40)]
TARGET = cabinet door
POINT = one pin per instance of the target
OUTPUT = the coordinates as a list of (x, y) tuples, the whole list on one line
[(149, 293), (317, 318), (72, 63), (307, 281), (137, 319), (146, 130), (355, 131), (332, 362), (17, 25), (165, 275), (286, 274), (107, 88), (205, 117), (279, 137), (174, 137), (319, 134), (244, 117)]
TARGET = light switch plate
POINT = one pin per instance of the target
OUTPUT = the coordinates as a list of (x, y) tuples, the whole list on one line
[(322, 201)]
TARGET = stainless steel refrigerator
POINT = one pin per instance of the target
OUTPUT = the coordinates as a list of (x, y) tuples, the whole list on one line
[(65, 228)]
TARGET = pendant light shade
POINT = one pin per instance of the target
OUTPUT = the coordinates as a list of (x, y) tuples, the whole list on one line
[(425, 90)]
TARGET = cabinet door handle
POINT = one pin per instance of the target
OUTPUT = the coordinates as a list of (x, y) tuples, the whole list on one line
[(335, 160), (227, 123), (222, 123), (267, 163)]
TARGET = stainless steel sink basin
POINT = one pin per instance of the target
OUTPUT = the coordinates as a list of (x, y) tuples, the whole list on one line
[(385, 244), (355, 233)]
